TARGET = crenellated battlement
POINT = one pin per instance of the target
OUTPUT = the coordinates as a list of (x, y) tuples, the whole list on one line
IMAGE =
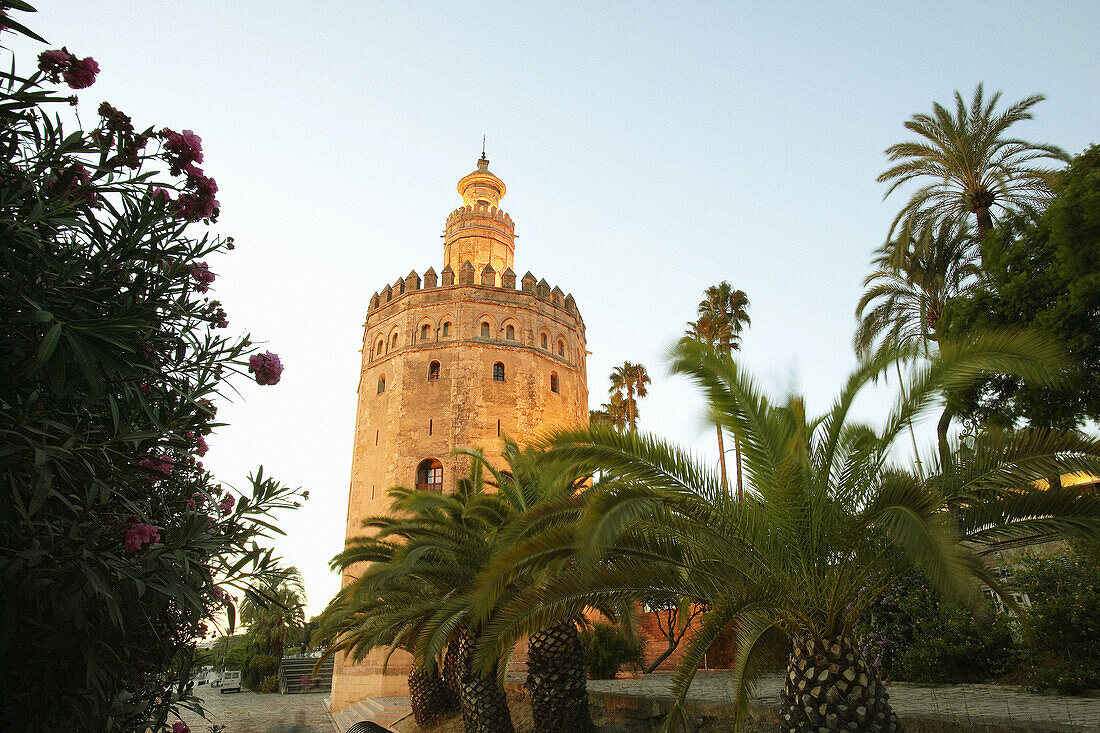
[(486, 279), (479, 211)]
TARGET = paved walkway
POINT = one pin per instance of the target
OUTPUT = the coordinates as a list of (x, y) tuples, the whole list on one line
[(248, 712), (971, 703)]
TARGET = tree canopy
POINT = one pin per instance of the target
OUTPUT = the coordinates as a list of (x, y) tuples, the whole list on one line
[(1043, 273)]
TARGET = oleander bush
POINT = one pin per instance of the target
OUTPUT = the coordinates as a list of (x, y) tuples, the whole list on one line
[(117, 547)]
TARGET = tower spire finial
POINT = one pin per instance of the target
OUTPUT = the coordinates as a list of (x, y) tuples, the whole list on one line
[(483, 147)]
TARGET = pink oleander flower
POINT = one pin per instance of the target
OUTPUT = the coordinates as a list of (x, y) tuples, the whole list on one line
[(160, 464), (186, 147), (220, 595), (180, 727), (200, 271), (200, 446), (267, 367), (52, 63), (161, 195), (198, 202), (140, 535), (81, 74), (226, 504)]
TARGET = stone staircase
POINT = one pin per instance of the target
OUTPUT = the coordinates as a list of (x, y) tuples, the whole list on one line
[(296, 675), (382, 710)]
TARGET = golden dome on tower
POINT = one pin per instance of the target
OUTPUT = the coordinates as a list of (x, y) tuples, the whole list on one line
[(481, 186)]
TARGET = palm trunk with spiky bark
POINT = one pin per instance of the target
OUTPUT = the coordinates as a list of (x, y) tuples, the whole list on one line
[(428, 696), (556, 680), (831, 687), (484, 704), (452, 676)]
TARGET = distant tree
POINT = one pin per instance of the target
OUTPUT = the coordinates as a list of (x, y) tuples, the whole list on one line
[(970, 165), (709, 332), (275, 614), (907, 293), (1042, 272), (672, 625), (628, 383), (723, 314)]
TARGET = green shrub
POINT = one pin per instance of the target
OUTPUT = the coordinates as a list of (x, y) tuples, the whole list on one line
[(607, 648), (269, 684), (1065, 618), (259, 668), (911, 634)]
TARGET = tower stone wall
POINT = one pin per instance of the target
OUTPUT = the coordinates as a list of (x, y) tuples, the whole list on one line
[(456, 365)]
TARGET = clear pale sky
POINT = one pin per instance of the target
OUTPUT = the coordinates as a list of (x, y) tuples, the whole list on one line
[(649, 150)]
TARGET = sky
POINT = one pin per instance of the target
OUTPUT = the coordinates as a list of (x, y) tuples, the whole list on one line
[(649, 149)]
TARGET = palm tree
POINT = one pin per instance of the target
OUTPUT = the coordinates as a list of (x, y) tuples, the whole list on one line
[(612, 412), (828, 526), (427, 549), (913, 281), (727, 310), (710, 331), (367, 615), (529, 493), (273, 610), (421, 593), (972, 167), (629, 382)]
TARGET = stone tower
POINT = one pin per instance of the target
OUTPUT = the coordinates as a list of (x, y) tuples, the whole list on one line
[(458, 359)]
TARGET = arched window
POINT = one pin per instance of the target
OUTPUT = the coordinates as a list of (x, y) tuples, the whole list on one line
[(484, 329), (553, 381), (544, 341), (381, 347), (447, 328), (561, 348), (433, 371), (498, 372), (393, 342), (510, 333), (424, 332), (429, 476), (382, 384)]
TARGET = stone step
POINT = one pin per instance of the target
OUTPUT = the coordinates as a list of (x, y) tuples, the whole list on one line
[(384, 712)]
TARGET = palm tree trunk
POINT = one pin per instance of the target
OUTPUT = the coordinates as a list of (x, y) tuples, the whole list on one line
[(484, 704), (831, 687), (737, 455), (630, 404), (721, 455), (452, 673), (912, 435), (556, 680), (428, 696), (985, 222), (941, 438)]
